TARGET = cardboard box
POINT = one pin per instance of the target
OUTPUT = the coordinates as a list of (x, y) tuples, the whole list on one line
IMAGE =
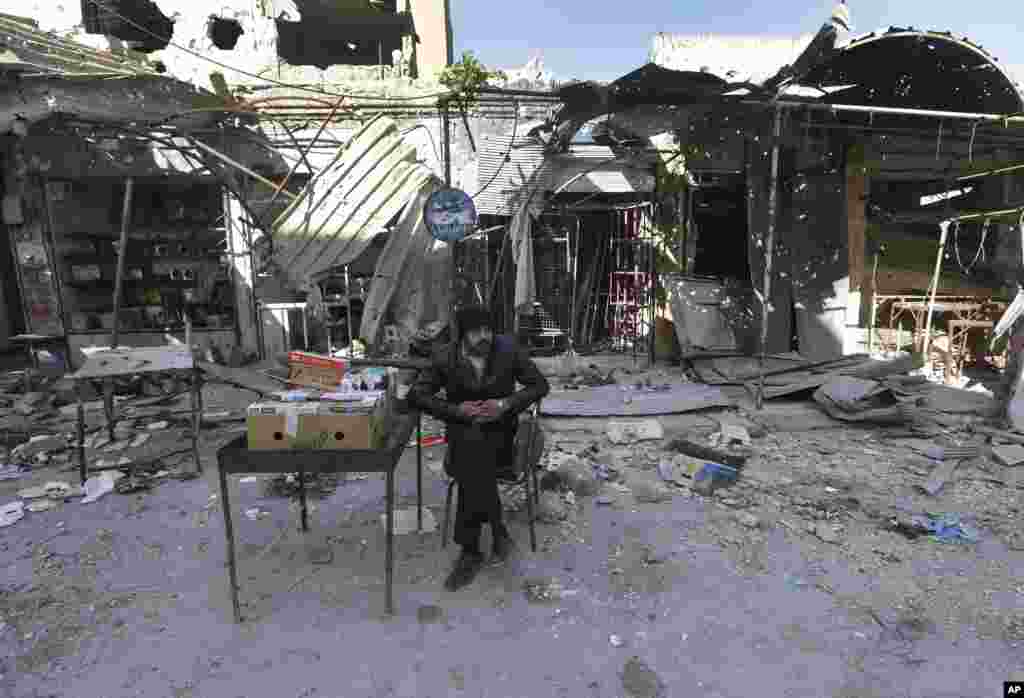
[(316, 425), (315, 370)]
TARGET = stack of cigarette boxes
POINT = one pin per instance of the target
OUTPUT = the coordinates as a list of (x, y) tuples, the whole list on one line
[(354, 416)]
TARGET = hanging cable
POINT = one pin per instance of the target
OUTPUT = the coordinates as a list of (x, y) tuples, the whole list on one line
[(102, 5), (979, 254)]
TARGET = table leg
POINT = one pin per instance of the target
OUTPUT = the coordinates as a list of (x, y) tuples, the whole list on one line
[(230, 534), (80, 408), (302, 501), (419, 473), (389, 563), (108, 405), (197, 415)]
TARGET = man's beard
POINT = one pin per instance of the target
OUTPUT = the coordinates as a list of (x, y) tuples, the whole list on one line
[(479, 349)]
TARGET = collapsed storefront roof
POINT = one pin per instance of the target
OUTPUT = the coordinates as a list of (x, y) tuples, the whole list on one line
[(30, 51), (897, 68)]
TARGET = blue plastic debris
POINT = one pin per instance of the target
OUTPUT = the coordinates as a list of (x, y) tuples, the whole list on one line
[(947, 528)]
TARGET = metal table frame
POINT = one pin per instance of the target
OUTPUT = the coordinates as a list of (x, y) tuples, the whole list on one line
[(105, 367), (235, 458)]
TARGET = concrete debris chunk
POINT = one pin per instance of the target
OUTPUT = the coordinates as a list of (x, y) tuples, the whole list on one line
[(640, 681), (11, 513), (1010, 456), (158, 426), (139, 440), (827, 533), (405, 521), (39, 444), (622, 432)]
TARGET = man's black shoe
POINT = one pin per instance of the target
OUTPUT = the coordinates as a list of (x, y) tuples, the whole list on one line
[(503, 548), (465, 571)]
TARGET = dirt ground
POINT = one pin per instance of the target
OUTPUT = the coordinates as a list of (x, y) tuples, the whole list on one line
[(793, 582)]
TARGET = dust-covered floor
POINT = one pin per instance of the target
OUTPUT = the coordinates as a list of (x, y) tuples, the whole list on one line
[(793, 582)]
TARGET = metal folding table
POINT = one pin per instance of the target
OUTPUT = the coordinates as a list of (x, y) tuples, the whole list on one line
[(237, 458), (106, 366)]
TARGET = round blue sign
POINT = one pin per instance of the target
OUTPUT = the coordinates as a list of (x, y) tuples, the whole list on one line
[(450, 215)]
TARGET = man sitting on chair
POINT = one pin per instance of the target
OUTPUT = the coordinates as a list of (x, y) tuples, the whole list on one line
[(481, 409)]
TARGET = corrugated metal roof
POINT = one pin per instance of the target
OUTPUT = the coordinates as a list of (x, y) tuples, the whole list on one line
[(755, 59), (598, 175), (503, 170), (42, 52), (751, 59), (347, 203)]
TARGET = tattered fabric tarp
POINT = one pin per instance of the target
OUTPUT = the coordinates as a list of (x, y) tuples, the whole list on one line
[(611, 401), (350, 201), (400, 270)]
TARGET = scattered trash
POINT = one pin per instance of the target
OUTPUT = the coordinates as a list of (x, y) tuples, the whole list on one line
[(158, 426), (133, 484), (542, 590), (679, 469), (942, 527), (631, 432), (704, 453), (615, 641), (317, 485), (13, 472), (604, 472), (428, 441), (40, 505), (57, 490), (100, 485), (405, 521), (256, 513), (570, 498), (11, 513), (712, 476)]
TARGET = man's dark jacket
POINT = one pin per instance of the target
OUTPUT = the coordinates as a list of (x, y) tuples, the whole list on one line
[(473, 445)]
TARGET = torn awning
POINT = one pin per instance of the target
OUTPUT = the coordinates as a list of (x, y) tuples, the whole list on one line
[(350, 201)]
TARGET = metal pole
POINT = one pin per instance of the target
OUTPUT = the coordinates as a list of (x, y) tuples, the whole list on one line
[(446, 148), (897, 111), (126, 214), (944, 227), (242, 168), (348, 309), (874, 305), (769, 249)]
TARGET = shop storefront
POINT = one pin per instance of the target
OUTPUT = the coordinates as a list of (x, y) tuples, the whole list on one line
[(65, 240)]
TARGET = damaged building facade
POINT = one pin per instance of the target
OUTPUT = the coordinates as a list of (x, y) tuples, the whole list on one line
[(313, 74), (814, 156), (90, 160)]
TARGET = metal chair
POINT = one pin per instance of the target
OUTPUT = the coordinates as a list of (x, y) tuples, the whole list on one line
[(524, 475)]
